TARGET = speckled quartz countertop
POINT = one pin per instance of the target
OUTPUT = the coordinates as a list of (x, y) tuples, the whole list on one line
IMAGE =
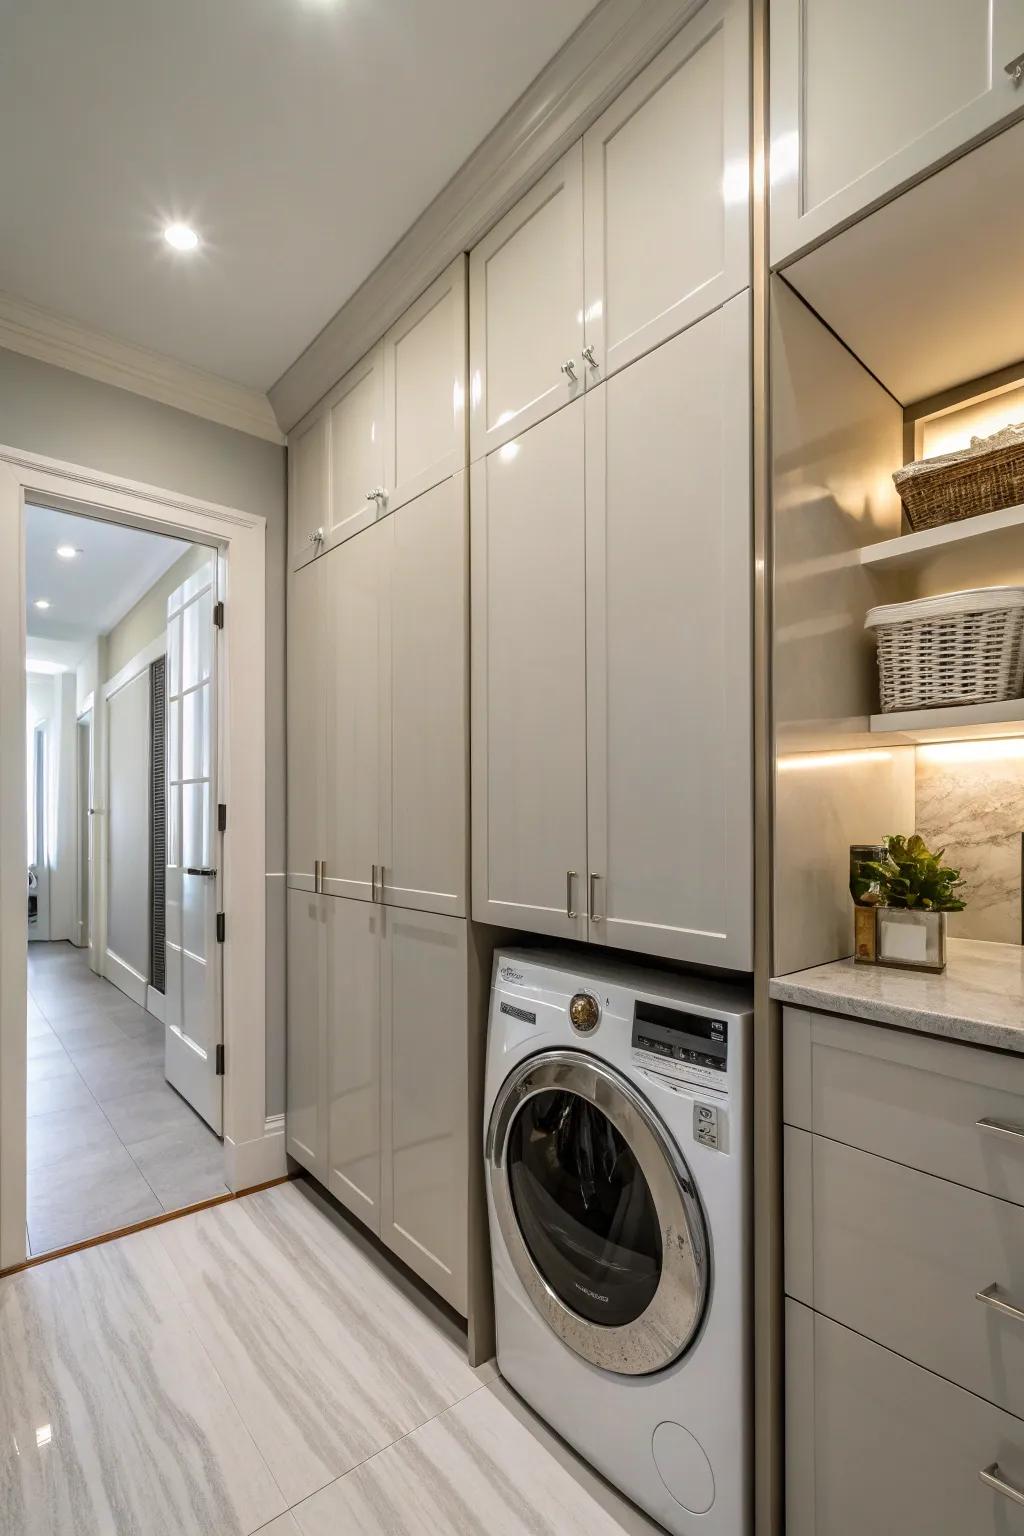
[(979, 998)]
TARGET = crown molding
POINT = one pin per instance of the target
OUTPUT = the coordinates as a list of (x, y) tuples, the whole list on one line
[(603, 55), (52, 338)]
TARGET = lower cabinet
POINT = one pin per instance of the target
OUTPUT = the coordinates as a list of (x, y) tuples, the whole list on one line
[(386, 1031)]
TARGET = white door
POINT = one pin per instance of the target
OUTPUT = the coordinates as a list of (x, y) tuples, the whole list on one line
[(83, 742), (193, 1022), (668, 652), (529, 688), (666, 191), (526, 310), (306, 1091), (127, 959), (358, 491), (307, 701), (353, 932), (425, 390), (866, 97), (308, 490)]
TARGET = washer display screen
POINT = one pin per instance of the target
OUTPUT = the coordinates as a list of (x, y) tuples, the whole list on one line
[(584, 1208)]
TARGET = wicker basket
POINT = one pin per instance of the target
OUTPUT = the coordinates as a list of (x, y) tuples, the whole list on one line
[(982, 478), (963, 648)]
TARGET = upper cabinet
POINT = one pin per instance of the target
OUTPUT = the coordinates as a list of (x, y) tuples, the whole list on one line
[(394, 427), (666, 184), (866, 97)]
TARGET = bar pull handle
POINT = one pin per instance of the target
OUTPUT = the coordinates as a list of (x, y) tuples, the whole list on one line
[(991, 1298), (373, 882), (993, 1478), (1000, 1128), (207, 874), (570, 876), (317, 886), (592, 912)]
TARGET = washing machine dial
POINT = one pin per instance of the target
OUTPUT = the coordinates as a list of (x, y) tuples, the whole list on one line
[(584, 1013)]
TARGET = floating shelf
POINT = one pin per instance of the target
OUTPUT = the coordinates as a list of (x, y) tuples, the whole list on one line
[(917, 548), (968, 722)]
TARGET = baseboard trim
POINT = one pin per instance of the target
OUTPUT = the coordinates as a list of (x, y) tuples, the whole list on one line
[(259, 1161), (156, 1004), (127, 978)]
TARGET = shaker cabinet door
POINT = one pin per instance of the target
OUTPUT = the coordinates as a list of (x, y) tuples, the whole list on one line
[(424, 859), (308, 490), (426, 1137), (866, 97), (357, 713), (425, 390), (354, 935), (668, 652), (529, 671), (307, 699), (526, 310), (306, 1097), (667, 191), (356, 417)]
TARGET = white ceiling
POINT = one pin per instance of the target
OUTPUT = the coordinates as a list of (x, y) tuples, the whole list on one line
[(300, 137), (90, 594)]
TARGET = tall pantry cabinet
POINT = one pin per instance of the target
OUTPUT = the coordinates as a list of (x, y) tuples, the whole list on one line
[(610, 516)]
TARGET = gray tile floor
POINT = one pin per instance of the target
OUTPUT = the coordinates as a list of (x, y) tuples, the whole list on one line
[(109, 1141)]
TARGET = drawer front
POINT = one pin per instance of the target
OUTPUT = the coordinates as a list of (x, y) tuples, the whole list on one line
[(953, 1110), (902, 1257), (876, 1444)]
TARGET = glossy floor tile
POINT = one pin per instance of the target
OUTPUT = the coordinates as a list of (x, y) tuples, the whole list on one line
[(110, 1143)]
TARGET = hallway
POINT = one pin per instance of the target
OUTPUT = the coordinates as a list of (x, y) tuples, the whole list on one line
[(110, 1143)]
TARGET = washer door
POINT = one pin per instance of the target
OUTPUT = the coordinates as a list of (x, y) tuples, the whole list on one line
[(598, 1211)]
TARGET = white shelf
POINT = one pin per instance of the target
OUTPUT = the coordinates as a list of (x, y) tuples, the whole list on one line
[(916, 548), (969, 722)]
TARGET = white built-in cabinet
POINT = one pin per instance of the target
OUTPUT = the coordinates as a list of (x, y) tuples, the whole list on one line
[(611, 671), (867, 97), (638, 231)]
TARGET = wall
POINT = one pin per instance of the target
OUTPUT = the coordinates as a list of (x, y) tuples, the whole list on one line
[(148, 619), (50, 411)]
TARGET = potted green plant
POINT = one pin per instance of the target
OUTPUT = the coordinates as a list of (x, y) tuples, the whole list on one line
[(915, 892)]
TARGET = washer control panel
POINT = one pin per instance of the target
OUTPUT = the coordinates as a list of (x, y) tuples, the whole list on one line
[(688, 1047)]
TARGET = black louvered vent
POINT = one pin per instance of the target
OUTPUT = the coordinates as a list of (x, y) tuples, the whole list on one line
[(158, 822)]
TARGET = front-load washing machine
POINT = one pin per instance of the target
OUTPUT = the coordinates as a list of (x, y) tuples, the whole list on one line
[(618, 1156)]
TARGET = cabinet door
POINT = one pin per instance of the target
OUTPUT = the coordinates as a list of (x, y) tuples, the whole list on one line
[(667, 191), (306, 1097), (357, 449), (357, 711), (425, 390), (526, 309), (866, 97), (668, 653), (529, 674), (306, 704), (424, 863), (425, 1099), (308, 490), (352, 1012)]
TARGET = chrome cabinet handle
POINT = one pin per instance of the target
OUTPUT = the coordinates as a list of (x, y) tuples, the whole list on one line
[(993, 1478), (570, 876), (591, 356), (208, 874), (316, 537), (378, 494), (991, 1298), (592, 912), (317, 884), (373, 882), (569, 369), (1000, 1128), (1015, 69)]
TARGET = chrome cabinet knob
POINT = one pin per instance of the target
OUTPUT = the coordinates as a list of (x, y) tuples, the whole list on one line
[(569, 369), (591, 356), (1015, 69), (378, 494), (317, 536)]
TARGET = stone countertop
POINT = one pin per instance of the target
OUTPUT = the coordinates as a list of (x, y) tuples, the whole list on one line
[(979, 998)]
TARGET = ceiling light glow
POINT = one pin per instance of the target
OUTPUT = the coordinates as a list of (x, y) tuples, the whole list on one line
[(67, 551), (181, 236), (42, 603)]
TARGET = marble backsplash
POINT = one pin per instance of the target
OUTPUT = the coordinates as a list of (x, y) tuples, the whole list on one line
[(970, 799)]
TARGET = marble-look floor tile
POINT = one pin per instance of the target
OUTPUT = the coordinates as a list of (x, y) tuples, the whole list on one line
[(326, 1358), (182, 1165), (57, 1093), (114, 1070), (79, 1032), (42, 1042), (284, 1525), (151, 1111), (476, 1470), (101, 1191), (65, 1134), (55, 1063), (113, 1422)]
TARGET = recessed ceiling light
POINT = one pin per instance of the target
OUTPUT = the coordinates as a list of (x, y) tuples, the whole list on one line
[(67, 551), (42, 602), (181, 236)]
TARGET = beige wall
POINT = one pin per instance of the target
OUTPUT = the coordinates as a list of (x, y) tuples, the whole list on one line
[(148, 619)]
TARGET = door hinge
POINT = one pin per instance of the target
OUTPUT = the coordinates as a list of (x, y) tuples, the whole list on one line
[(218, 615), (220, 1060), (222, 817), (220, 927)]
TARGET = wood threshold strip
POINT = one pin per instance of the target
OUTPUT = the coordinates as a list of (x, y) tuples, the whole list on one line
[(140, 1226)]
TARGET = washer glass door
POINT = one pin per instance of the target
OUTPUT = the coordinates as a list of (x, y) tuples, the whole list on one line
[(598, 1212)]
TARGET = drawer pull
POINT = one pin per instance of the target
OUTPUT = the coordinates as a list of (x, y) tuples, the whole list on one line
[(993, 1478), (990, 1296), (1001, 1128)]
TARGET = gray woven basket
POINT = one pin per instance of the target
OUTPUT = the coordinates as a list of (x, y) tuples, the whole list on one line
[(982, 478), (962, 648)]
